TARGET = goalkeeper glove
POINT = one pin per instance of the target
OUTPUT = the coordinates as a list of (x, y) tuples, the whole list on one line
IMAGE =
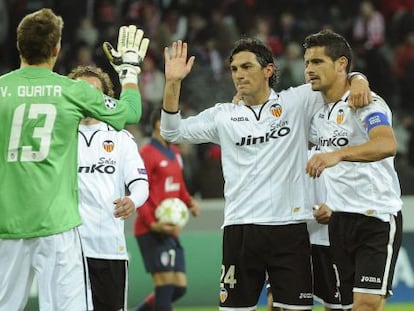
[(129, 55)]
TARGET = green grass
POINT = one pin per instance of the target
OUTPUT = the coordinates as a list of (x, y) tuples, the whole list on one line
[(388, 307)]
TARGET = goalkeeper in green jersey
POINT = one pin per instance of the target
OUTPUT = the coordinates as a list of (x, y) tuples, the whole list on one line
[(40, 112)]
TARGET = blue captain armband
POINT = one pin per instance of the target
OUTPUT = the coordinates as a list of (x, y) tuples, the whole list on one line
[(376, 119)]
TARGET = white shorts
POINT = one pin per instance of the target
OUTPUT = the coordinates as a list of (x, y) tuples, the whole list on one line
[(56, 261)]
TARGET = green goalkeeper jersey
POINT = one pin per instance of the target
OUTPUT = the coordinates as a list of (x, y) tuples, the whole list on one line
[(40, 113)]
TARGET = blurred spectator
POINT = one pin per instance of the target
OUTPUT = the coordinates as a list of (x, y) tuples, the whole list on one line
[(209, 178), (83, 56), (404, 71), (224, 31), (368, 29), (177, 23), (87, 33), (289, 28), (151, 84), (290, 67), (368, 41), (4, 33), (263, 32)]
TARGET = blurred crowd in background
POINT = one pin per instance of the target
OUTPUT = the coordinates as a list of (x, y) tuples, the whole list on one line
[(381, 33)]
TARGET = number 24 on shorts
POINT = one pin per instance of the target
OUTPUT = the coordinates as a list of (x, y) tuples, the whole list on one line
[(228, 277)]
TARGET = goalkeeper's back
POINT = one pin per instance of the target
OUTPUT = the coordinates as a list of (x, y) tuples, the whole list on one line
[(40, 112)]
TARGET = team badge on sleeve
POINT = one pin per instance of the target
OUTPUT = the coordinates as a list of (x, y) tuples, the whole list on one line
[(110, 103), (142, 171)]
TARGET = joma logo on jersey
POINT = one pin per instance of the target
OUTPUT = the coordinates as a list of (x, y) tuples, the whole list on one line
[(333, 142), (239, 119), (370, 279), (250, 140), (97, 168)]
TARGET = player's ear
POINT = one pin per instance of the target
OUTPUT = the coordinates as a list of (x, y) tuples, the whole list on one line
[(342, 63), (56, 49), (269, 70)]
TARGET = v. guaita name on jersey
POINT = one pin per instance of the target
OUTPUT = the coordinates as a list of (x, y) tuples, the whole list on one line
[(32, 91)]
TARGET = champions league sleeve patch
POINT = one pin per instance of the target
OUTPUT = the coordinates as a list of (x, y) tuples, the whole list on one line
[(376, 119), (142, 171), (110, 103)]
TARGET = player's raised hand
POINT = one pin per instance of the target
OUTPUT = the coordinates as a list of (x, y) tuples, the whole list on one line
[(131, 50), (177, 67)]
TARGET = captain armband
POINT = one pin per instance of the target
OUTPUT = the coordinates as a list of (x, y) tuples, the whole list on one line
[(376, 119)]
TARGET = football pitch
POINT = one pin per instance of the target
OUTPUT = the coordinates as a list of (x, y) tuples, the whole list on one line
[(388, 307)]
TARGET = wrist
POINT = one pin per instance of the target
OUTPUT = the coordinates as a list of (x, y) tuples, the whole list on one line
[(128, 74), (355, 74)]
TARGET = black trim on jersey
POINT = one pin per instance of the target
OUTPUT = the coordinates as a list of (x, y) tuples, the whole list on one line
[(85, 264), (170, 112), (168, 152), (134, 180), (332, 108), (260, 111), (89, 142)]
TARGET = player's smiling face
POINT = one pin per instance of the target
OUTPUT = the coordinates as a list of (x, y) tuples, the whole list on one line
[(249, 77), (320, 70)]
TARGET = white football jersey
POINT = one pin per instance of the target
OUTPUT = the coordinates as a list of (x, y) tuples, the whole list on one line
[(108, 164), (263, 153), (370, 188)]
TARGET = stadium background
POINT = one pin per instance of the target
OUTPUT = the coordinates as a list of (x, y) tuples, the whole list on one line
[(385, 54)]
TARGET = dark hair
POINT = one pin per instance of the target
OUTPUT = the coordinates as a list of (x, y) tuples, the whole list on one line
[(155, 116), (263, 54), (96, 72), (37, 35), (335, 45)]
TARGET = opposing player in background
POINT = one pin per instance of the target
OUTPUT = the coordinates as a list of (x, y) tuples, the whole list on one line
[(108, 165), (357, 162), (264, 142), (40, 112), (161, 250)]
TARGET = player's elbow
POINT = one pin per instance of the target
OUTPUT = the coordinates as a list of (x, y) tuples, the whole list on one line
[(170, 136), (389, 148)]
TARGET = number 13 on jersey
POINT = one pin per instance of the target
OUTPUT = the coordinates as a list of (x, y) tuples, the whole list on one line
[(42, 133)]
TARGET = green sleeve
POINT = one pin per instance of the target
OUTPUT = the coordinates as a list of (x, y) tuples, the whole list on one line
[(107, 109), (133, 100)]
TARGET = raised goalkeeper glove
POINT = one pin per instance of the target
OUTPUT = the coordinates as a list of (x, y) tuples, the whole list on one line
[(130, 53)]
